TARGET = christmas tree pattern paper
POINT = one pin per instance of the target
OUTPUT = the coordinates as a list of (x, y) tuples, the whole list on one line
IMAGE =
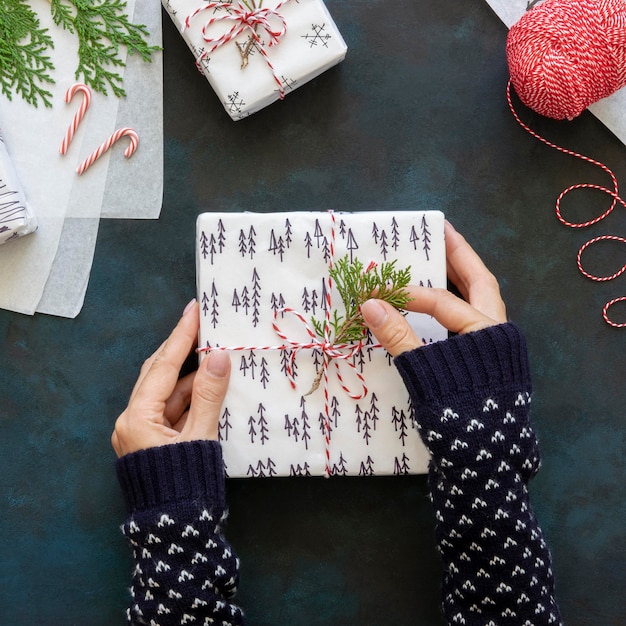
[(16, 216), (253, 53), (261, 278)]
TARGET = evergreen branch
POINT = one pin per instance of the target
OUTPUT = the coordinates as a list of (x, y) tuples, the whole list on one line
[(102, 27), (24, 64), (355, 285)]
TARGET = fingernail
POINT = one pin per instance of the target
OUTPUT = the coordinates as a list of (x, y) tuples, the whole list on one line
[(450, 225), (374, 313), (189, 306), (217, 363)]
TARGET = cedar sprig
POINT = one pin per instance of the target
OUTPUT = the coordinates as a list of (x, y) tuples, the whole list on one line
[(24, 64), (355, 284), (102, 27)]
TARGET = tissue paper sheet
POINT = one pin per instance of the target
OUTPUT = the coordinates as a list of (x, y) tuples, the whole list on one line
[(50, 272)]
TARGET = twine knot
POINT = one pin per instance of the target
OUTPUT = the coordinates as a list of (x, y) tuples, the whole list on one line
[(245, 20), (331, 352)]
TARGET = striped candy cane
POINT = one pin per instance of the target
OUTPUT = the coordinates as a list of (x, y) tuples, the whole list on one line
[(78, 116), (115, 137)]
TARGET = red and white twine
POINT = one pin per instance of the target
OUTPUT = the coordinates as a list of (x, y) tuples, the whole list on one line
[(564, 56), (335, 353), (244, 20)]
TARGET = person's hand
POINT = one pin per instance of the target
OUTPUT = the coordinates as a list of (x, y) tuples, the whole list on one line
[(164, 408), (482, 305)]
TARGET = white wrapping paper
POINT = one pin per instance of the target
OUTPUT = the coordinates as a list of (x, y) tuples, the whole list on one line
[(16, 216), (250, 266), (310, 45)]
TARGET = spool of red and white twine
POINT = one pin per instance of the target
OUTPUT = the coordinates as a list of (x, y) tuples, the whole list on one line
[(562, 57)]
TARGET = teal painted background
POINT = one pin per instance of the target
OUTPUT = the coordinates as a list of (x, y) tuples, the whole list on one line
[(414, 118)]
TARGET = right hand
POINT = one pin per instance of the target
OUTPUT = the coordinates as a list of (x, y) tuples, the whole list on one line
[(480, 307)]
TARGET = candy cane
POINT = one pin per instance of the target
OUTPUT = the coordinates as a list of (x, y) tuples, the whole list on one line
[(116, 136), (78, 116)]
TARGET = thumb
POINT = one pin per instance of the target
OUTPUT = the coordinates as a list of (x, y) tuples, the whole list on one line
[(389, 327), (209, 389)]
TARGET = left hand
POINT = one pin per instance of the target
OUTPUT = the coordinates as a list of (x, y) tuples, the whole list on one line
[(164, 408)]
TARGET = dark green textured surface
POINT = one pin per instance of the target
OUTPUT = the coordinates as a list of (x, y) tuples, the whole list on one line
[(414, 118)]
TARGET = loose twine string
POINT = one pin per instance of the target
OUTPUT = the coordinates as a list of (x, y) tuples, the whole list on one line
[(562, 57), (245, 19), (331, 353)]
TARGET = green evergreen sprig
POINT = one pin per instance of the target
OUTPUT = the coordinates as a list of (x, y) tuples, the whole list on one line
[(102, 28), (24, 63), (356, 284)]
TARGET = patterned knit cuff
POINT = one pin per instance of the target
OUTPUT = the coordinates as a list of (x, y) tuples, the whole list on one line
[(192, 470), (495, 357)]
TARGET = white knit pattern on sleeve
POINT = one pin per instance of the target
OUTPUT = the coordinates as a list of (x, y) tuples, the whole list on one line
[(185, 571)]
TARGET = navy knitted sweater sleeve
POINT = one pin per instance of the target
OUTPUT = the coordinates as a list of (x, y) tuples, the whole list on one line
[(472, 395), (185, 571)]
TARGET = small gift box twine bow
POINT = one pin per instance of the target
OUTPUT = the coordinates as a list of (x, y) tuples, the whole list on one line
[(247, 17)]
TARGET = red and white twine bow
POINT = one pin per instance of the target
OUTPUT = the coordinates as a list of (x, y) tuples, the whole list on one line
[(245, 19), (331, 352)]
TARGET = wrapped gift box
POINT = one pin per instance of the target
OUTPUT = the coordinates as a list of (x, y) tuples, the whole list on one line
[(252, 58), (260, 279), (16, 217)]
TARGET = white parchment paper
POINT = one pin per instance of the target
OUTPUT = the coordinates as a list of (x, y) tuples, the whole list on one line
[(48, 271)]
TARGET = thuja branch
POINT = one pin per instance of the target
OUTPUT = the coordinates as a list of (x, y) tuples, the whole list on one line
[(102, 28), (24, 64), (355, 284)]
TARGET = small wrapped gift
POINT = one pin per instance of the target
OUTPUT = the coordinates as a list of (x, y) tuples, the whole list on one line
[(16, 217), (261, 278), (254, 51)]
